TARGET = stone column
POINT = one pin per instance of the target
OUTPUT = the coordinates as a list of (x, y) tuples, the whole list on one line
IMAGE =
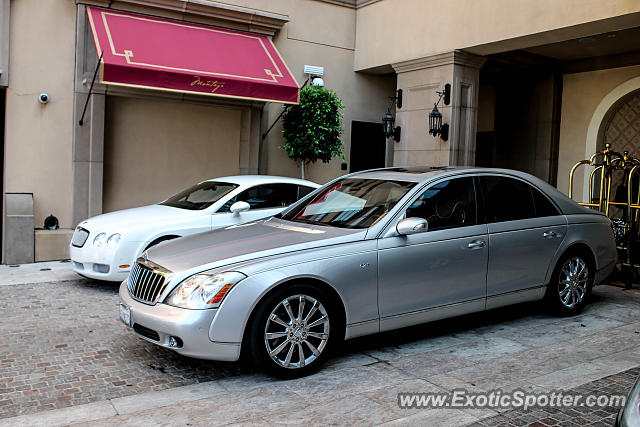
[(88, 139), (420, 79), (5, 13)]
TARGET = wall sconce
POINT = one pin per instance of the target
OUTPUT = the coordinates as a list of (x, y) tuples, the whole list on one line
[(388, 121), (435, 117)]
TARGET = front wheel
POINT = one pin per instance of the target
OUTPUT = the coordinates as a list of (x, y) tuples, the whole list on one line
[(570, 285), (292, 332)]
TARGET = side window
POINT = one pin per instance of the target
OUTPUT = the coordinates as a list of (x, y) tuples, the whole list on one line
[(543, 206), (447, 204), (506, 199), (265, 196)]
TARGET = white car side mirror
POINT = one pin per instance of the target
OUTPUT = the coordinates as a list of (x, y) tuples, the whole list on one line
[(412, 226), (238, 207)]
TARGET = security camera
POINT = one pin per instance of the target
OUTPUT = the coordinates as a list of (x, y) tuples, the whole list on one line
[(43, 98)]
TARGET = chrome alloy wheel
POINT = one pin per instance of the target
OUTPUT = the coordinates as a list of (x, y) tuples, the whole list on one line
[(295, 340), (573, 282)]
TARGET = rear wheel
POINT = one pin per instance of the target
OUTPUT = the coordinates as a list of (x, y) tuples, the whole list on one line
[(571, 284), (292, 332)]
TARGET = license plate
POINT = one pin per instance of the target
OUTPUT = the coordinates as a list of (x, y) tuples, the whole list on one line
[(125, 314)]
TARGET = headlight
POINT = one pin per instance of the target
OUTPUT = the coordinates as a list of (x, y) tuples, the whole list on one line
[(202, 291), (98, 241), (113, 240), (631, 411)]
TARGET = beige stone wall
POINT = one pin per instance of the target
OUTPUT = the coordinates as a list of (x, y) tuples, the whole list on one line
[(323, 34), (582, 94), (365, 98), (38, 137), (154, 149), (396, 30), (418, 147)]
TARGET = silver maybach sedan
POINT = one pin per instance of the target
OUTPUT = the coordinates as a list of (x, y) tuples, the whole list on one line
[(365, 253)]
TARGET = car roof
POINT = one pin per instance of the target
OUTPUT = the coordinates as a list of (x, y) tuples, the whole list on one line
[(263, 179), (426, 173)]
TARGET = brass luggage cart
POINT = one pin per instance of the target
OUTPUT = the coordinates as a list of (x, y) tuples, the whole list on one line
[(612, 168)]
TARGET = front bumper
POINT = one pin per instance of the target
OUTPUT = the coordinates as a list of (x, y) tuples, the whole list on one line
[(90, 262), (191, 326)]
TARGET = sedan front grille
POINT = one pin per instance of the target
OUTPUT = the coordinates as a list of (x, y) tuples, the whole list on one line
[(80, 236), (146, 284)]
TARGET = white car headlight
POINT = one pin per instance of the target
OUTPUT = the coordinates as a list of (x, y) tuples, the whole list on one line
[(99, 240), (113, 240), (202, 291)]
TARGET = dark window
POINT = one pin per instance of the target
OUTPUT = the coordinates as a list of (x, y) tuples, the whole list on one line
[(544, 207), (266, 196), (506, 199), (447, 204), (200, 196), (303, 191)]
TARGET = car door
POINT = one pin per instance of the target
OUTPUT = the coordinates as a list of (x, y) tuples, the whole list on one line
[(525, 231), (265, 200), (440, 272)]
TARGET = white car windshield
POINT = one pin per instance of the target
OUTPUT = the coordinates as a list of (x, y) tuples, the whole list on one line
[(200, 196), (351, 203)]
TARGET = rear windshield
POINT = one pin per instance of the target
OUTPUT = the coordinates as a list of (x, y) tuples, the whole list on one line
[(200, 196)]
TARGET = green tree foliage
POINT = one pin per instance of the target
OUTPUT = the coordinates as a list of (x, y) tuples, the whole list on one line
[(312, 128)]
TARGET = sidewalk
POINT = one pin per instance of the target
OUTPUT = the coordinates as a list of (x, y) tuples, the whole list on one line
[(50, 271)]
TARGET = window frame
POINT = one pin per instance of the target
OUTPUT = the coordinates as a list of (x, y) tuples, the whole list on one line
[(296, 190), (483, 208), (422, 190)]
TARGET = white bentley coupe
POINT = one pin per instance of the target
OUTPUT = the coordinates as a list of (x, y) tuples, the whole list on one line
[(104, 247)]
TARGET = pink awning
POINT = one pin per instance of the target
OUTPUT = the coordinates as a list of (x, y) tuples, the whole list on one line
[(156, 53)]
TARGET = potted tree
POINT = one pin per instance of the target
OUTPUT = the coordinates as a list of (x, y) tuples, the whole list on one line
[(312, 129)]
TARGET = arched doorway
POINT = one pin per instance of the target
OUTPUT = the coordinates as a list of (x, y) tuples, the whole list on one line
[(601, 119), (622, 129)]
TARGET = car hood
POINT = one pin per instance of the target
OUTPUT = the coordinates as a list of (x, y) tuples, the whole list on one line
[(245, 242), (135, 218)]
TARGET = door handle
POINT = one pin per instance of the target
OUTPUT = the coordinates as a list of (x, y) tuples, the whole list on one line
[(476, 244), (549, 234)]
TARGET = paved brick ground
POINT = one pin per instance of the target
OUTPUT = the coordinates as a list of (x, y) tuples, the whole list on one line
[(61, 344), (618, 384)]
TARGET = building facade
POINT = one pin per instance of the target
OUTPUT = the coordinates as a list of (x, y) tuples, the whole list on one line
[(536, 85)]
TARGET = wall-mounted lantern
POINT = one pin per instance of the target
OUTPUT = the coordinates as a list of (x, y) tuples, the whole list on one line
[(436, 127), (388, 121)]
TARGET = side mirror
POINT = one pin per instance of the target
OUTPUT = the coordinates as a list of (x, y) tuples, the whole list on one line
[(412, 226), (238, 207)]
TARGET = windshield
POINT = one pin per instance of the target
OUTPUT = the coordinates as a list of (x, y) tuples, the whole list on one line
[(351, 203), (200, 196)]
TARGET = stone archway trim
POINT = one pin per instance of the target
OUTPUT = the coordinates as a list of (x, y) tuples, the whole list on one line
[(595, 125)]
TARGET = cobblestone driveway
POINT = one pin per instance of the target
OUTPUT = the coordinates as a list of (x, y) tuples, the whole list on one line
[(61, 344), (618, 384)]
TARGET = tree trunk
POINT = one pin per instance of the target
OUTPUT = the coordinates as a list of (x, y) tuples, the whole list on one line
[(302, 168)]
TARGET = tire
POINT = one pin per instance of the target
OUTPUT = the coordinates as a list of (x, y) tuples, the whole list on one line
[(571, 284), (277, 334)]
